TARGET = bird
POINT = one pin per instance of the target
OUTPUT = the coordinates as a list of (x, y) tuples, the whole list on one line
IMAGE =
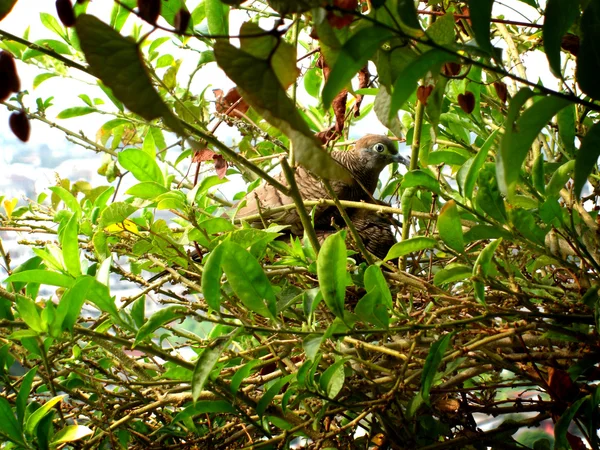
[(374, 228), (364, 161)]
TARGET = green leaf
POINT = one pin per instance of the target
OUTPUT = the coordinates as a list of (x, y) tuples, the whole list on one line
[(241, 374), (537, 174), (75, 111), (457, 272), (118, 63), (147, 190), (143, 166), (374, 279), (9, 426), (432, 362), (519, 136), (445, 157), (332, 380), (331, 271), (24, 392), (489, 199), (268, 396), (204, 407), (442, 30), (69, 240), (248, 280), (40, 413), (158, 319), (450, 228), (468, 173), (409, 246), (371, 309), (565, 120), (587, 157), (211, 278), (115, 213), (42, 277), (206, 362), (261, 88), (53, 25), (406, 82), (5, 7), (311, 345), (408, 14), (351, 58), (29, 313), (558, 18), (39, 79), (483, 264), (420, 178), (217, 17), (562, 426), (70, 304), (71, 433), (59, 47), (281, 55), (69, 199), (559, 179), (170, 8), (480, 12), (588, 57)]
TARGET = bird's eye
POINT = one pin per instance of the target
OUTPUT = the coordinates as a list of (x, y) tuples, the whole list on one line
[(379, 147)]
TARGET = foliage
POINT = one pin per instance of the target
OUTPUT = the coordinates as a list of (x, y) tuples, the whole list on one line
[(489, 304)]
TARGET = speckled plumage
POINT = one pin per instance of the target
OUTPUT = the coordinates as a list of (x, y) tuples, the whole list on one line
[(365, 162), (375, 230)]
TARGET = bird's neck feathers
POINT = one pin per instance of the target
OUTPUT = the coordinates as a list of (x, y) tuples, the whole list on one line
[(360, 167)]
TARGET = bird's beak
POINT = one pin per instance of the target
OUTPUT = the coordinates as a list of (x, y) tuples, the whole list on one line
[(401, 159)]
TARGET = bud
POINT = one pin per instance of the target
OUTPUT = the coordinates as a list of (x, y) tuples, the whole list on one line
[(9, 79), (467, 102), (570, 43), (423, 93), (19, 124), (64, 8), (182, 20), (451, 69), (501, 91), (149, 10)]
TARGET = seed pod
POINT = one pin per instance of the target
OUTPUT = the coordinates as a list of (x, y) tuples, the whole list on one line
[(149, 10), (451, 69), (501, 91), (64, 8), (9, 79), (467, 102), (182, 20), (423, 93), (570, 43), (19, 125)]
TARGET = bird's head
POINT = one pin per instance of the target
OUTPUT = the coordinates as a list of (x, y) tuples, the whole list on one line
[(377, 151)]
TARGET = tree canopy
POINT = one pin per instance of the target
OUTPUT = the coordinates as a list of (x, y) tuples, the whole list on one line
[(479, 323)]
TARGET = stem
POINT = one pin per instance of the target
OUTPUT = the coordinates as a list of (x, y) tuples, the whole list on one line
[(295, 194), (414, 163)]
